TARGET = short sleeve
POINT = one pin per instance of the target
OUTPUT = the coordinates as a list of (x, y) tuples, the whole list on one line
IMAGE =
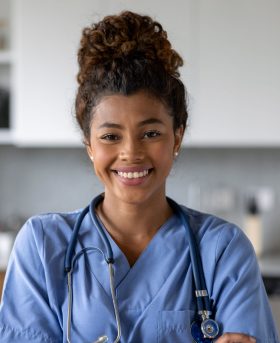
[(25, 311), (241, 302)]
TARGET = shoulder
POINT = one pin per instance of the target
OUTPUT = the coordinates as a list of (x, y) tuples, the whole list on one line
[(215, 235), (204, 223), (55, 221), (48, 228)]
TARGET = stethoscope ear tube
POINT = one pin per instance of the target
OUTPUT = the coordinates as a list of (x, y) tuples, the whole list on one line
[(101, 230), (73, 240), (196, 263), (74, 237)]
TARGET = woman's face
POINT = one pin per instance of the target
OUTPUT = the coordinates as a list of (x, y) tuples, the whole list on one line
[(133, 143)]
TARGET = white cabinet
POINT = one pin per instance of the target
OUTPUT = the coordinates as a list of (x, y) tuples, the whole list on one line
[(236, 86), (232, 69), (46, 38)]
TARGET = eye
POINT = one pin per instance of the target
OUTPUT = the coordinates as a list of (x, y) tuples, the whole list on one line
[(151, 134), (110, 137)]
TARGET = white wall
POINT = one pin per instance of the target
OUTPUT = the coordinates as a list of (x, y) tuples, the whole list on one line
[(232, 68)]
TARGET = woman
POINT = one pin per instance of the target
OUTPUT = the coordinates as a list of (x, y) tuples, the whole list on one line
[(131, 108)]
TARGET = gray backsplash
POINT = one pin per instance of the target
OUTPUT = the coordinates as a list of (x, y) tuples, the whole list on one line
[(36, 180)]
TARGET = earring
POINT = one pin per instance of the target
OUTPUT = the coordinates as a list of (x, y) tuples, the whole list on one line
[(176, 153), (91, 157)]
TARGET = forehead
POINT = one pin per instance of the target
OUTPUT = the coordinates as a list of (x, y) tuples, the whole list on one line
[(133, 108)]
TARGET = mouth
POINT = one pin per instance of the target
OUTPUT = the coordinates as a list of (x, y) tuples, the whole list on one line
[(133, 174)]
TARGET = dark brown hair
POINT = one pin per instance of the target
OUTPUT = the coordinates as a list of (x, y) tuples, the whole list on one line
[(123, 54)]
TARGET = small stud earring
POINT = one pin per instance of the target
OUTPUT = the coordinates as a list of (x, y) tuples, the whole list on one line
[(176, 153), (91, 157)]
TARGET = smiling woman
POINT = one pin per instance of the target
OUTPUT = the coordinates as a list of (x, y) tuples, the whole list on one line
[(174, 274)]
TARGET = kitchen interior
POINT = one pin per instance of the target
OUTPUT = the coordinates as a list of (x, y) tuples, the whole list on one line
[(229, 164)]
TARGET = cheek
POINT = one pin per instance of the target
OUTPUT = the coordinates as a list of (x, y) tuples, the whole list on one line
[(102, 161), (164, 155)]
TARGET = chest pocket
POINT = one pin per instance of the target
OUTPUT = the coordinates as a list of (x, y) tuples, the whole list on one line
[(174, 326)]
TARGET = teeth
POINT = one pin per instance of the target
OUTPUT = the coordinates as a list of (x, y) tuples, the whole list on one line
[(133, 175)]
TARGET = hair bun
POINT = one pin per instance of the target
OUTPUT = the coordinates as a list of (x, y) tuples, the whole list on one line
[(127, 47), (128, 35)]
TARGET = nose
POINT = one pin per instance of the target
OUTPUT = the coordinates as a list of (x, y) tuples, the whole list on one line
[(132, 150)]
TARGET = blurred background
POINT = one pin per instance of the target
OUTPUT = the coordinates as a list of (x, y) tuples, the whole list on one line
[(230, 162)]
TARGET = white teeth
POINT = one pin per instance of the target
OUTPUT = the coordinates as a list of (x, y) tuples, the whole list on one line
[(133, 175)]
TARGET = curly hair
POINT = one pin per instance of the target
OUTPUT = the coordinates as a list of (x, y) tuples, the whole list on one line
[(124, 54)]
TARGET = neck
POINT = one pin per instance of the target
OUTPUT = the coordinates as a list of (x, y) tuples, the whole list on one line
[(132, 226), (132, 219)]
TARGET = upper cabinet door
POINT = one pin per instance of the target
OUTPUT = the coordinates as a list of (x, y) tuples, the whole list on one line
[(235, 99), (46, 40)]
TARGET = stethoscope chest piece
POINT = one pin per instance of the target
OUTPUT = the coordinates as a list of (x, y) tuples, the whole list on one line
[(205, 331), (210, 328)]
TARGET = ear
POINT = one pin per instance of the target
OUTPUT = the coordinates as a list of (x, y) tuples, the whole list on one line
[(178, 135), (89, 151)]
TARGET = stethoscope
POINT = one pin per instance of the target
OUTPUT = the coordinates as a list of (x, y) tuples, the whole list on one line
[(204, 329)]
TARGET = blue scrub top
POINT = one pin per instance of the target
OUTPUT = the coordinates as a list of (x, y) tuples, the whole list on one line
[(155, 296)]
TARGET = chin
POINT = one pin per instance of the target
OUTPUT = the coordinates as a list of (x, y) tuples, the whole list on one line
[(138, 197), (133, 199)]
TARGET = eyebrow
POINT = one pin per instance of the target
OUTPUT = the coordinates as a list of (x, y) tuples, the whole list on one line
[(140, 124)]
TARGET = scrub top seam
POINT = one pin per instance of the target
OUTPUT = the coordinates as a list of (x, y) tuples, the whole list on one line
[(28, 333), (217, 246), (43, 240), (235, 235)]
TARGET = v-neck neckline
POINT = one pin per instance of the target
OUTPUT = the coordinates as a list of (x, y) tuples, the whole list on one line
[(116, 247), (149, 272), (122, 266)]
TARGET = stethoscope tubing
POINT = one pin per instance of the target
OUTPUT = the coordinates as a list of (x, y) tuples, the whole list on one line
[(91, 210), (198, 272), (73, 240), (203, 300), (101, 230), (112, 289)]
